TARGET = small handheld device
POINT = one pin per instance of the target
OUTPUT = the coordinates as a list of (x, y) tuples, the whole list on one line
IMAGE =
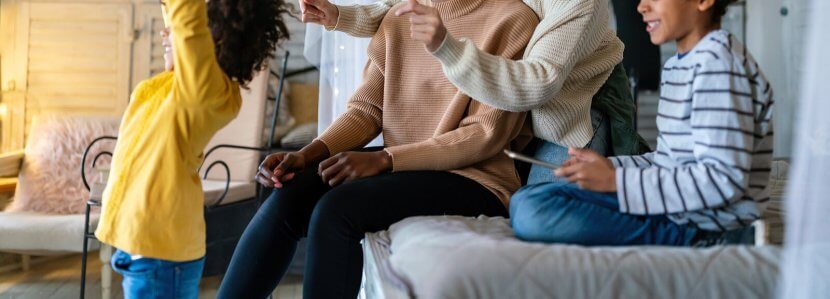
[(520, 157)]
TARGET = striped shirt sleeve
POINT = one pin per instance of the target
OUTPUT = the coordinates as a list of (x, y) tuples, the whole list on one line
[(718, 174), (637, 161)]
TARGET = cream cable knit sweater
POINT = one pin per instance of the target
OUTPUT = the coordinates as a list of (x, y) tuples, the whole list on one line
[(569, 57)]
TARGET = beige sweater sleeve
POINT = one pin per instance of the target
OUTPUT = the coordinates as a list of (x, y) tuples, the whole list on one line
[(568, 32), (362, 20), (363, 118)]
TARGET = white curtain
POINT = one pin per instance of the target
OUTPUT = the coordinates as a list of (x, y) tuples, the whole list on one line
[(806, 268), (340, 59)]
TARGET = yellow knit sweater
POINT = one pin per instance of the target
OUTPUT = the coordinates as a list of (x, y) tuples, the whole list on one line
[(153, 203), (570, 56), (427, 123)]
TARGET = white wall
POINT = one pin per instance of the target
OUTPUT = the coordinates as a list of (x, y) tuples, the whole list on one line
[(777, 42)]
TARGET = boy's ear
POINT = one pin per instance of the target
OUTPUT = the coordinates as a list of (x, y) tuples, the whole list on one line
[(704, 5)]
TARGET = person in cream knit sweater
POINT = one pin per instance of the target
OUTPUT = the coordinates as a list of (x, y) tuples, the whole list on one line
[(569, 59)]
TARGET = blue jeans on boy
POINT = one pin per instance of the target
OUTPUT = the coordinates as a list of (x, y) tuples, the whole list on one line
[(563, 213), (155, 278)]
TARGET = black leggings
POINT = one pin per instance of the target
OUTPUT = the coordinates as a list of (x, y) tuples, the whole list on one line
[(335, 220)]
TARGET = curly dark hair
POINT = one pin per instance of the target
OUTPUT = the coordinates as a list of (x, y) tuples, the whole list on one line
[(246, 34), (719, 9)]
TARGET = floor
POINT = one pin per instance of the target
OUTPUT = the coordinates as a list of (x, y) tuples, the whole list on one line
[(60, 278)]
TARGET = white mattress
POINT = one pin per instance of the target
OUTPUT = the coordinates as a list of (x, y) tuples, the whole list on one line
[(458, 257), (34, 233)]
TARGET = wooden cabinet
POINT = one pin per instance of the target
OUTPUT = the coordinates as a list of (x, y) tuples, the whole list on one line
[(74, 57)]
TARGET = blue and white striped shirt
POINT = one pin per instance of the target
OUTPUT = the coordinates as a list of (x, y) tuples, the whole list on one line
[(714, 148)]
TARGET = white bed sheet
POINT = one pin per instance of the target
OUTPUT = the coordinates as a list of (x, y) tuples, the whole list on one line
[(458, 257)]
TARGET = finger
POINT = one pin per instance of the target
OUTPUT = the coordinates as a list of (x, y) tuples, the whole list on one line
[(311, 10), (264, 171), (405, 9), (326, 164), (302, 5), (566, 171), (419, 20), (338, 179), (264, 181), (583, 154), (289, 176), (283, 167), (311, 19), (332, 171)]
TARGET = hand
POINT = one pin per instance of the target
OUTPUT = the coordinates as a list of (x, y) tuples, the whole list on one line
[(425, 24), (589, 170), (319, 12), (349, 166), (279, 168)]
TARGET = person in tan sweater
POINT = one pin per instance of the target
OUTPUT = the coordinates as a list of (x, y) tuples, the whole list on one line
[(569, 79), (442, 155)]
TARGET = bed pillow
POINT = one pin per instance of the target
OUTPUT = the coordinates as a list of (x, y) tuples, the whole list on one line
[(49, 181), (300, 136)]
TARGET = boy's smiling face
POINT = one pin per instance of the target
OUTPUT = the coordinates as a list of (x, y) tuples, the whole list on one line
[(675, 20)]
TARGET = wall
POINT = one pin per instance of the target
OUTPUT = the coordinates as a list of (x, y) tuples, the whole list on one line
[(776, 41)]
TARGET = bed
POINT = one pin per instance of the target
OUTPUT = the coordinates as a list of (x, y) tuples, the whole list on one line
[(459, 257)]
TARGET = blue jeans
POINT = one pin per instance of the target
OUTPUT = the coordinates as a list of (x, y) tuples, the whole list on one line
[(154, 278), (563, 213), (557, 154)]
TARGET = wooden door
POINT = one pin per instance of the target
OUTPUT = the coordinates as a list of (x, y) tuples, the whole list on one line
[(77, 57)]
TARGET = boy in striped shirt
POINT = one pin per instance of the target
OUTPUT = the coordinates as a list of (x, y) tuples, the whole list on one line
[(708, 177)]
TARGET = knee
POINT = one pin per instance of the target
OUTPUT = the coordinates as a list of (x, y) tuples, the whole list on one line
[(336, 207), (280, 212), (540, 216)]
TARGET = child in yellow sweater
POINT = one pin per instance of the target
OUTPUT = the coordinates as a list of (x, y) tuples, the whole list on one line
[(153, 204)]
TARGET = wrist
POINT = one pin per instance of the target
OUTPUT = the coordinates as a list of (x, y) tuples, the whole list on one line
[(333, 22), (384, 160), (315, 152)]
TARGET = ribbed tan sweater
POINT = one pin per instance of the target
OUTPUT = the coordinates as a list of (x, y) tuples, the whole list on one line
[(568, 59), (427, 123)]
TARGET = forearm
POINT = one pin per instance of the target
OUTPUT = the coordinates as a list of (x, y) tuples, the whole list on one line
[(198, 76), (315, 152), (533, 81), (659, 191), (362, 20)]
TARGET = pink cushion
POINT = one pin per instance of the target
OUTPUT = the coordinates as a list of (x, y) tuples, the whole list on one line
[(50, 180)]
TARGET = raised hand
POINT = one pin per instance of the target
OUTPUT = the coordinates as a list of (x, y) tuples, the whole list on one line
[(425, 24), (320, 12)]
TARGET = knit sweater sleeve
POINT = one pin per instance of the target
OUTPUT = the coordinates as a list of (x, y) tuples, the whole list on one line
[(483, 132), (568, 27), (363, 118), (557, 45), (362, 20)]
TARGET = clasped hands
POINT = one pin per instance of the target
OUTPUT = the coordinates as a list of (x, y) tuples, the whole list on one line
[(344, 167), (426, 25)]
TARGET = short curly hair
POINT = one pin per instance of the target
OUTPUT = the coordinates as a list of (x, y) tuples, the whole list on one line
[(246, 34), (719, 10)]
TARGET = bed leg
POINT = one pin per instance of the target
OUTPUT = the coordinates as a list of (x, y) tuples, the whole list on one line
[(106, 271), (26, 262)]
